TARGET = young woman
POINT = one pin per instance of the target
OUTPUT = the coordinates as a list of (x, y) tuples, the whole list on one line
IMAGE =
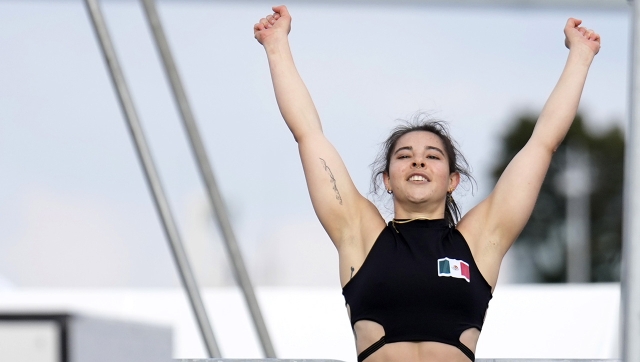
[(417, 288)]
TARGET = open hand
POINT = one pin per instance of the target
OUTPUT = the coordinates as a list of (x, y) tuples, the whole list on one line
[(273, 26), (578, 36)]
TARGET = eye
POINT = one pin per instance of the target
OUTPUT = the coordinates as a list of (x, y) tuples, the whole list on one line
[(403, 156), (433, 157)]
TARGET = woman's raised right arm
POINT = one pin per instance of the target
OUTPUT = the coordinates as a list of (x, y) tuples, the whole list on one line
[(336, 201)]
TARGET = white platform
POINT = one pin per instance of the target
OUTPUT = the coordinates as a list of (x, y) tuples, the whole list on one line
[(332, 360), (526, 321), (63, 337)]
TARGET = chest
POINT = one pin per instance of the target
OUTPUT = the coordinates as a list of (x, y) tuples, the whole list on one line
[(414, 269)]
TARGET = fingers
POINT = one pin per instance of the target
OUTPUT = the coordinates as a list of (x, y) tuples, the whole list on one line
[(265, 23), (573, 23), (281, 9), (589, 34), (268, 21), (271, 19)]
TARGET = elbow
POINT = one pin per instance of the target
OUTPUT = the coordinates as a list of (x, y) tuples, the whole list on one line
[(301, 134), (549, 144), (551, 148), (555, 145)]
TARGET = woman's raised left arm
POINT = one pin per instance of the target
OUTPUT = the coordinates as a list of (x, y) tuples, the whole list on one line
[(496, 222)]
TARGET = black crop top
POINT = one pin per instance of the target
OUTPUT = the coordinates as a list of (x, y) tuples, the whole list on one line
[(420, 283)]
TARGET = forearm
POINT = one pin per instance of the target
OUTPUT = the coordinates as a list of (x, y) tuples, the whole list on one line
[(560, 109), (294, 101)]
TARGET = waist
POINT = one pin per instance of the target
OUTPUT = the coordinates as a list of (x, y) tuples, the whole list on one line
[(414, 352)]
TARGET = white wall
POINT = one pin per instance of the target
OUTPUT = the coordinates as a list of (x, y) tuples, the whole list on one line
[(527, 321)]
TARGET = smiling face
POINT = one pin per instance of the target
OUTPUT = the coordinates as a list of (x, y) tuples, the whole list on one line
[(419, 174)]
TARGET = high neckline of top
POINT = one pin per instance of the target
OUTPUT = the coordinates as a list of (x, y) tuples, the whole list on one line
[(422, 223)]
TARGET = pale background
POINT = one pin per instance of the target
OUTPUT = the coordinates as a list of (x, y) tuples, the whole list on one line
[(77, 220), (75, 210)]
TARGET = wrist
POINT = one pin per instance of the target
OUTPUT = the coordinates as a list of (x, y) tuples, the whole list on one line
[(276, 43), (581, 54)]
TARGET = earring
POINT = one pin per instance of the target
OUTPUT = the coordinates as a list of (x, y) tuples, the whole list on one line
[(449, 198), (389, 192)]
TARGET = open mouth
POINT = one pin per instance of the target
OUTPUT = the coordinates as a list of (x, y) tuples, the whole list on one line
[(417, 177)]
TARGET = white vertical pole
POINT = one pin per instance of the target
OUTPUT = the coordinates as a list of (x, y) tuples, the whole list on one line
[(631, 241), (577, 190)]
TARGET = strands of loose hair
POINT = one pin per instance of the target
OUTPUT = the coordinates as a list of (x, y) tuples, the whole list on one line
[(422, 121)]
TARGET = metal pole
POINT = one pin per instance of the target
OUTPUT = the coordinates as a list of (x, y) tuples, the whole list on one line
[(197, 146), (577, 189), (630, 279), (153, 180)]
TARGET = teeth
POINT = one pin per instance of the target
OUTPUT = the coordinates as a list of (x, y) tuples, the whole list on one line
[(416, 178)]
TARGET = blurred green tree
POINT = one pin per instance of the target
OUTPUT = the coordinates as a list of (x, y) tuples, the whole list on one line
[(544, 236)]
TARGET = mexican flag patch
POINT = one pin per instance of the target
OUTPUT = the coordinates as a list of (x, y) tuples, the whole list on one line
[(453, 268)]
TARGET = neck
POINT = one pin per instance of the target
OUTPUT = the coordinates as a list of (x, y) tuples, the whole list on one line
[(419, 212)]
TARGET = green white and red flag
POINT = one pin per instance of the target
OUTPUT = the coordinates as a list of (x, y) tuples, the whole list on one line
[(454, 268)]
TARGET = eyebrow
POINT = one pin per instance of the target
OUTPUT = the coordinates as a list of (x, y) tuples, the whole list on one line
[(436, 149), (409, 148)]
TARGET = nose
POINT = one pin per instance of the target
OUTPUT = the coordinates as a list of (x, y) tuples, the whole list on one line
[(418, 165)]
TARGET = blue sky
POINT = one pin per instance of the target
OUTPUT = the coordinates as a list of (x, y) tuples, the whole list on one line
[(75, 210)]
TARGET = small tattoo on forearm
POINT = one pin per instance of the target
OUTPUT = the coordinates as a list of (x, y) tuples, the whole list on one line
[(351, 273), (333, 181)]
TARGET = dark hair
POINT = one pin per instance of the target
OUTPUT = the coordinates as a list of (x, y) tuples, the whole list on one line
[(457, 163)]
